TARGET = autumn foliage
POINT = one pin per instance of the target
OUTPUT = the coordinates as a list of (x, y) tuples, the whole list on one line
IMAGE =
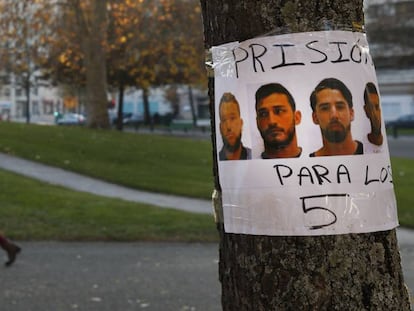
[(127, 43)]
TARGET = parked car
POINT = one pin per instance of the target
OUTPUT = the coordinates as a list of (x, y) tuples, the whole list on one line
[(403, 122), (114, 117), (71, 119), (134, 120), (130, 119)]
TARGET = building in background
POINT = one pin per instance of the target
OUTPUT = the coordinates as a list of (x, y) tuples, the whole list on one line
[(44, 100), (47, 100), (390, 25)]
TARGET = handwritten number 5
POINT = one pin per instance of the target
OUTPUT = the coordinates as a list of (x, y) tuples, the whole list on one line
[(307, 210)]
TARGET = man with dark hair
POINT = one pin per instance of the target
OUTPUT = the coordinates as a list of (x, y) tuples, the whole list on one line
[(332, 110), (276, 119), (230, 128), (373, 111)]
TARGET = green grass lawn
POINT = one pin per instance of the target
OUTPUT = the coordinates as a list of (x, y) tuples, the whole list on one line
[(150, 162), (403, 177), (182, 166), (33, 210)]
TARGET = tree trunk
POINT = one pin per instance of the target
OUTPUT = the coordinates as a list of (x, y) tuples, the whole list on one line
[(120, 118), (95, 65), (27, 92), (145, 100), (332, 272), (193, 110)]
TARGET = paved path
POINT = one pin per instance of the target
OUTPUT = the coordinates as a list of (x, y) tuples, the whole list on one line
[(403, 146), (71, 276), (108, 276), (79, 182)]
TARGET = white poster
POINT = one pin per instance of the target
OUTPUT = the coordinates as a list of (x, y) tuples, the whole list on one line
[(301, 142)]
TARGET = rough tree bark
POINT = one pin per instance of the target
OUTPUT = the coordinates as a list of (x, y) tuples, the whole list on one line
[(93, 24), (339, 272)]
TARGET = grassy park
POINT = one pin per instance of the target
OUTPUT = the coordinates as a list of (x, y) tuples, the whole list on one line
[(32, 210), (149, 162)]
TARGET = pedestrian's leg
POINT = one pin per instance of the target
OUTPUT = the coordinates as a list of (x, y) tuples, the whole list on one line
[(11, 249)]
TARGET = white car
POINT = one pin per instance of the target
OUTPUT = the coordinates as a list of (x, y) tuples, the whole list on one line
[(71, 119)]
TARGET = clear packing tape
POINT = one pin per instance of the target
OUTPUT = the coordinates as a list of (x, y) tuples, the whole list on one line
[(225, 54)]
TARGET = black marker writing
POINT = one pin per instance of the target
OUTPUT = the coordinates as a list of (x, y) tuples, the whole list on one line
[(316, 207), (283, 64), (340, 59), (315, 173), (256, 58), (322, 60), (381, 177), (287, 54), (237, 61)]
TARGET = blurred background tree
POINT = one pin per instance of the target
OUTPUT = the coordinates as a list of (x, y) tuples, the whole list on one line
[(96, 47), (151, 44), (91, 20), (116, 44), (25, 36)]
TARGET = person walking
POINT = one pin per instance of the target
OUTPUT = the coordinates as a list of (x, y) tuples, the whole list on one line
[(11, 249)]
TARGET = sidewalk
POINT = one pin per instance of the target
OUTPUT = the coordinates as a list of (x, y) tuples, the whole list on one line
[(111, 276), (57, 176), (123, 276)]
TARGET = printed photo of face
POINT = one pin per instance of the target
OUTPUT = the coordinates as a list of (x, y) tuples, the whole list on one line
[(332, 110), (231, 125), (333, 114), (372, 110), (276, 119)]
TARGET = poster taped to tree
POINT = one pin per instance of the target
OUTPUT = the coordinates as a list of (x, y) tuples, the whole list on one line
[(301, 142)]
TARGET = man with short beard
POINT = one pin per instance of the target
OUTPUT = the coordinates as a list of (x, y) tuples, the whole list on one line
[(230, 128), (332, 110), (276, 119)]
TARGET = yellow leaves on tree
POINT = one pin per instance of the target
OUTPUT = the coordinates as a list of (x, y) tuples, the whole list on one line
[(70, 102)]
